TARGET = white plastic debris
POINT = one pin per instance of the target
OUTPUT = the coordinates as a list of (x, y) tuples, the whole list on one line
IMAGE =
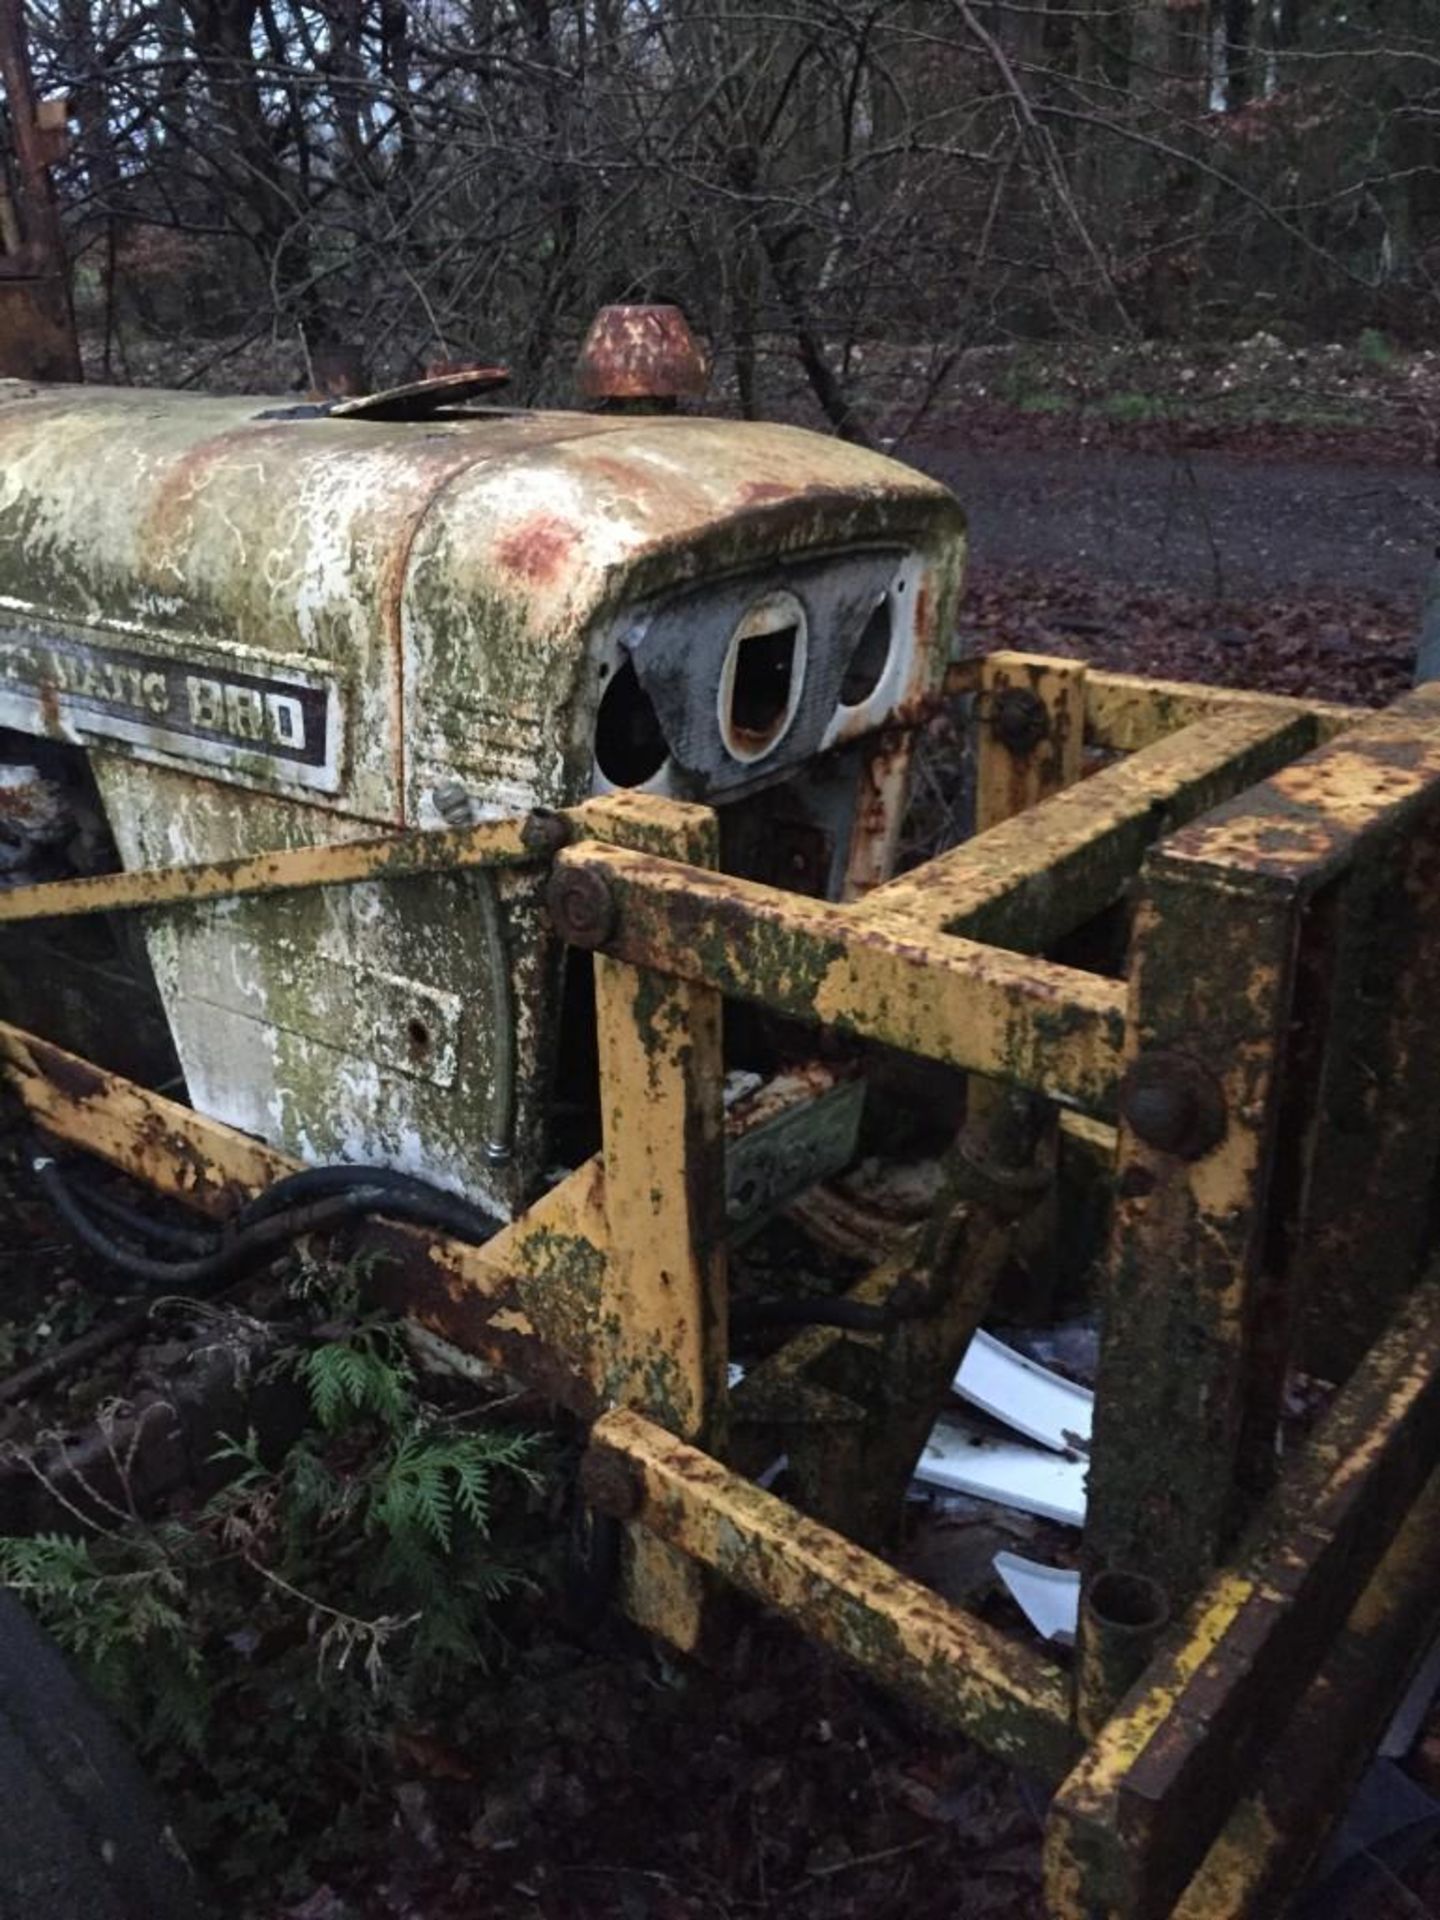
[(1049, 1597), (961, 1459), (1042, 1405)]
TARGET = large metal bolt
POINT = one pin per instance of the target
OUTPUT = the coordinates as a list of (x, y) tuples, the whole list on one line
[(611, 1484), (582, 906), (1019, 719), (1173, 1104), (544, 832)]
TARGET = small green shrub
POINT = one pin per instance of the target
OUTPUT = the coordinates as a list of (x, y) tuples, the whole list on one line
[(1132, 408)]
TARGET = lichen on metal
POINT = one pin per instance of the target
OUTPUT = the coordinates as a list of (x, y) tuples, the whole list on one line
[(284, 629)]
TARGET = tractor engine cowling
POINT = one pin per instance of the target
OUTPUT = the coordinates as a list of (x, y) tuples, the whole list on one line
[(267, 626)]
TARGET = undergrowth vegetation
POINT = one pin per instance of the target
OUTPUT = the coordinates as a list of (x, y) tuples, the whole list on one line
[(267, 1649)]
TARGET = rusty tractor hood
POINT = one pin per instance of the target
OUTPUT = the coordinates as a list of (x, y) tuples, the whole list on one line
[(366, 607)]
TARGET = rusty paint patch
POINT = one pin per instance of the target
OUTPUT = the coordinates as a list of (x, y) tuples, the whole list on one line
[(410, 1275), (758, 491), (538, 548)]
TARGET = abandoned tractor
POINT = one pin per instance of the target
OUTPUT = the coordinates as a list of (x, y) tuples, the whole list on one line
[(483, 826)]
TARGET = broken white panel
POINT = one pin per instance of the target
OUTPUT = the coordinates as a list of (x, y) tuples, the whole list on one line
[(1049, 1597), (963, 1460), (1042, 1405)]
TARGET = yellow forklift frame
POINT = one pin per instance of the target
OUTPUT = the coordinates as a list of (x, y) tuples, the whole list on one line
[(1256, 1095)]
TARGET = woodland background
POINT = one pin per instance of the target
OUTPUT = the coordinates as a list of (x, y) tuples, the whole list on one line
[(813, 180)]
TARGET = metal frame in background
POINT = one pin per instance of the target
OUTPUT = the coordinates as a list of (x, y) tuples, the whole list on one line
[(1258, 1088)]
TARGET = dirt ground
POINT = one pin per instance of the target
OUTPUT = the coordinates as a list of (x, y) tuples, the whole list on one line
[(594, 1778)]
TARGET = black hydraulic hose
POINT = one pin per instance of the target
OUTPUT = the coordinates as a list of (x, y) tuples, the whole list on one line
[(240, 1246), (160, 1232), (446, 1211)]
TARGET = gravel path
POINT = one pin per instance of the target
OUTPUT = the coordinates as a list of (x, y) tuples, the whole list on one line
[(1212, 523)]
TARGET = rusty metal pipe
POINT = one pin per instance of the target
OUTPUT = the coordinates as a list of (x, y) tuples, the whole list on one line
[(1125, 1614)]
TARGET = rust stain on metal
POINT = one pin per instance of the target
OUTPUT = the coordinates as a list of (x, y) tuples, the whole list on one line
[(1136, 1816), (539, 548)]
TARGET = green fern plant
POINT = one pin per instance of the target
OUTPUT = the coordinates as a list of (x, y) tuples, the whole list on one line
[(122, 1616), (277, 1635), (365, 1375)]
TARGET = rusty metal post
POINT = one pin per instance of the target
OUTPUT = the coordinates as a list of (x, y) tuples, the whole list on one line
[(1164, 1774), (37, 318), (1031, 745), (1210, 985), (1032, 733), (1374, 1117), (1201, 1296), (662, 1310)]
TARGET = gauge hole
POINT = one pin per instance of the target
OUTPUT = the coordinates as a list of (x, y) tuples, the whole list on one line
[(629, 745)]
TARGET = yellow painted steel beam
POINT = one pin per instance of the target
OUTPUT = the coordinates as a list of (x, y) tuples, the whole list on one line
[(1210, 1000), (1281, 1826), (526, 1299), (1349, 835), (662, 1308), (629, 819), (1302, 826), (1017, 767), (1004, 1696), (513, 841), (1126, 712), (1025, 754), (156, 1141), (1051, 1028), (651, 823), (661, 1323), (1031, 878), (1133, 1821), (1372, 1154)]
